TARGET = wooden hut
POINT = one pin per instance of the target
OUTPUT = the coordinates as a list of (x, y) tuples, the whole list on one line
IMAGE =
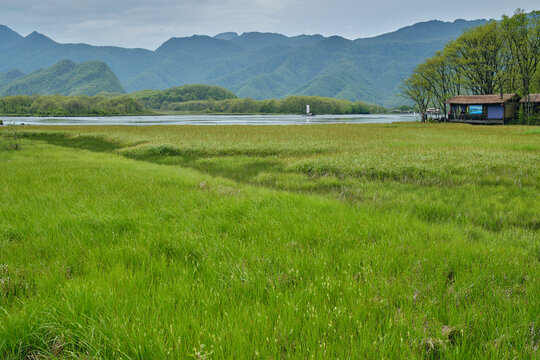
[(483, 109), (534, 99)]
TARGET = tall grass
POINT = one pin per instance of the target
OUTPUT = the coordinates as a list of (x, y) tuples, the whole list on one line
[(9, 139), (395, 241)]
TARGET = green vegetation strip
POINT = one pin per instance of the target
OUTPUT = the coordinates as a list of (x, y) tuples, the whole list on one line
[(203, 99), (332, 241)]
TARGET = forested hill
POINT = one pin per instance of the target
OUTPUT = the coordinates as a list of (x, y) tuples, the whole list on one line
[(10, 76), (161, 99), (64, 78), (256, 65)]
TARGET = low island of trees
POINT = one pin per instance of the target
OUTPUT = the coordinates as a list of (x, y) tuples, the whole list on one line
[(185, 99), (218, 100), (289, 105), (495, 58), (164, 99)]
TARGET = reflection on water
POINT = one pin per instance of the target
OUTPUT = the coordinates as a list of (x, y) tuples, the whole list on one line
[(211, 120)]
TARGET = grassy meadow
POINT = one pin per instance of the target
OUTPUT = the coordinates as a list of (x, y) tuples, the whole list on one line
[(385, 241)]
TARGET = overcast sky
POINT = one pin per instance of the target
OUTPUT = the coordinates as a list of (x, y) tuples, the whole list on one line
[(147, 24)]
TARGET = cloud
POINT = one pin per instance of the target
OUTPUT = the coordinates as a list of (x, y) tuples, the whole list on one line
[(138, 23)]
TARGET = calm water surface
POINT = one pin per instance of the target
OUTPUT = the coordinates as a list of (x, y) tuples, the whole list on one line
[(212, 120)]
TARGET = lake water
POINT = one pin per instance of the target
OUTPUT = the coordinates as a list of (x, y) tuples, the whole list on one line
[(211, 120)]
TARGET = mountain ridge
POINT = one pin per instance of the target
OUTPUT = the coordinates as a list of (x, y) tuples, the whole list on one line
[(254, 64)]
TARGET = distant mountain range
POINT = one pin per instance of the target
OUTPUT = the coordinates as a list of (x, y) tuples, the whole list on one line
[(256, 65)]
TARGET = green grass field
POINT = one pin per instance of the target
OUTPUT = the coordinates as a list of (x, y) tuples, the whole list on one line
[(242, 242)]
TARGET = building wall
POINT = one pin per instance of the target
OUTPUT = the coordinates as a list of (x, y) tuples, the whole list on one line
[(495, 112), (510, 110)]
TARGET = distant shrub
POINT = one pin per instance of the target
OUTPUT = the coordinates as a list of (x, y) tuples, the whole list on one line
[(162, 150)]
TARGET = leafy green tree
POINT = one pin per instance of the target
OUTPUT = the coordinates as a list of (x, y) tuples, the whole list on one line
[(440, 77), (522, 35), (416, 88), (480, 55)]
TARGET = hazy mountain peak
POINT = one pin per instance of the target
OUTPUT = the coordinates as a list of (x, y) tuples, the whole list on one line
[(429, 30), (62, 67), (265, 36), (197, 43), (334, 43), (200, 37), (315, 36), (259, 40), (6, 30), (34, 35), (226, 36), (38, 37), (260, 33), (14, 74), (10, 76), (337, 38), (8, 36)]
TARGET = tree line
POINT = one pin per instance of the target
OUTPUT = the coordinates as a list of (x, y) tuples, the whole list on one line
[(215, 99), (59, 105), (289, 105), (495, 58), (103, 105)]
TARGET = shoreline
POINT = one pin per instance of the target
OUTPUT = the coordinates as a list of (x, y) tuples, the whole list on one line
[(204, 119), (184, 114)]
